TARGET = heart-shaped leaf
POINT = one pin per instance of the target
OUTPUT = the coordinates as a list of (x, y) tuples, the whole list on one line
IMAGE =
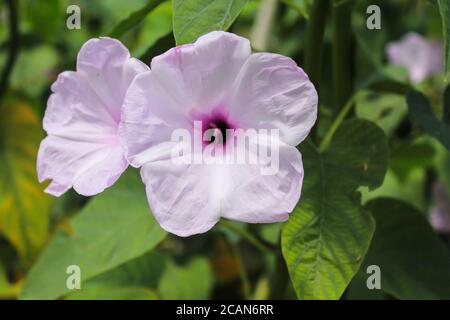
[(326, 237)]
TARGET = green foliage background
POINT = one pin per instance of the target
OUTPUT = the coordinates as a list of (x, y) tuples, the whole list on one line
[(379, 148)]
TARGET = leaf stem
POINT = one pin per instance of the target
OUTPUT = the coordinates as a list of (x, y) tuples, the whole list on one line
[(13, 48), (340, 117), (242, 271)]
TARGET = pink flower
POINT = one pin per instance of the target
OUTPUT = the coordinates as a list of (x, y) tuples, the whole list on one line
[(217, 81), (420, 56), (83, 148), (439, 215)]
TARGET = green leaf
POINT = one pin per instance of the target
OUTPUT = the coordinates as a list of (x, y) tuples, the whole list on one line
[(444, 8), (4, 283), (192, 281), (357, 289), (35, 69), (24, 207), (45, 17), (408, 188), (155, 26), (159, 47), (134, 18), (421, 112), (414, 262), (136, 279), (113, 228), (193, 18), (403, 164), (385, 109), (328, 233)]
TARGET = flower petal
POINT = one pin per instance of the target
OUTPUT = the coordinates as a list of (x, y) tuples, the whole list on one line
[(271, 91), (421, 57), (185, 198), (83, 148), (185, 79), (150, 114), (89, 167), (264, 198), (199, 75), (108, 68)]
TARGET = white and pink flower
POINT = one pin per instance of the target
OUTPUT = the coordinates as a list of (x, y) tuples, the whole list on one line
[(421, 57), (218, 81), (114, 111), (83, 149)]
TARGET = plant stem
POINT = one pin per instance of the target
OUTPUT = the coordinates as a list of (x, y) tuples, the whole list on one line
[(13, 46), (242, 271), (314, 47), (263, 24), (342, 54), (314, 40), (246, 235), (279, 279)]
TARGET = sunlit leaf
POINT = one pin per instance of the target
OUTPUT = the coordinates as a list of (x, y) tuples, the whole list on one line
[(24, 208), (326, 237), (385, 109), (113, 228), (156, 25), (414, 262), (193, 18)]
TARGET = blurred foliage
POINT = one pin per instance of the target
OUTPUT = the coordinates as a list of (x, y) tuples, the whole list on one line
[(123, 253), (24, 208)]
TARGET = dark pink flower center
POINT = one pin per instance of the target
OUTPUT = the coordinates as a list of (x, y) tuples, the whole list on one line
[(220, 125), (216, 123)]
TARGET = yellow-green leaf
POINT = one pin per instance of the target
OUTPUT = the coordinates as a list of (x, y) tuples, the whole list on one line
[(24, 208)]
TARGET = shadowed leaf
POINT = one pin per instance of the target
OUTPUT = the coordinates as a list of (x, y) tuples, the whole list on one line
[(414, 262), (421, 112), (113, 228)]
